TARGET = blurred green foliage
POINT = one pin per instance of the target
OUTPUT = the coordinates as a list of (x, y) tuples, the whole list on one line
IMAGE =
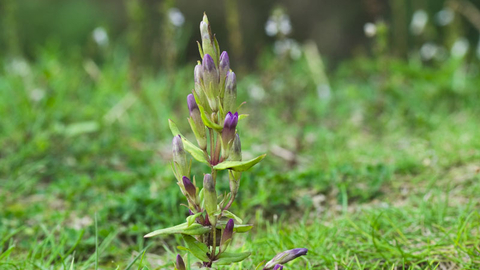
[(372, 164)]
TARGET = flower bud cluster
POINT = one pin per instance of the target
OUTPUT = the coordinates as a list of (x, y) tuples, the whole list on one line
[(213, 118)]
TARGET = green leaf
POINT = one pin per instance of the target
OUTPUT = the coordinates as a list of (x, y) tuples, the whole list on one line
[(238, 166), (242, 116), (227, 258), (232, 215), (198, 249), (207, 121), (191, 219), (238, 228), (194, 229), (196, 152)]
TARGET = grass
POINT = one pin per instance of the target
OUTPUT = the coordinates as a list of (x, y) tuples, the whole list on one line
[(383, 175)]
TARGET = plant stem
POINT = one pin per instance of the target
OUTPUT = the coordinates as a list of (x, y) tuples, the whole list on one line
[(214, 245), (230, 201), (210, 131)]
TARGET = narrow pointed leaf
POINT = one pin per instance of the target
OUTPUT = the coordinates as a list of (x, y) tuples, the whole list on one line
[(238, 166), (191, 219), (207, 121), (194, 229), (227, 258), (232, 216), (198, 249), (196, 152)]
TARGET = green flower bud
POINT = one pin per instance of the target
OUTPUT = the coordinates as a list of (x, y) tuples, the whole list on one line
[(196, 122), (208, 43), (180, 157), (210, 198), (230, 96)]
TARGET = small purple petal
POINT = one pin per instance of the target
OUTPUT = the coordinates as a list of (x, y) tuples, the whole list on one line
[(224, 62), (208, 63), (189, 187), (180, 264), (192, 104), (278, 267)]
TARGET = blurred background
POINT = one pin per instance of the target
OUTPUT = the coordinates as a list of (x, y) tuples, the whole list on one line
[(357, 103)]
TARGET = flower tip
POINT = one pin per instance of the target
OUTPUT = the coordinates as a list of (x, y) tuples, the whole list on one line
[(230, 225), (208, 63), (180, 264), (278, 267), (192, 104)]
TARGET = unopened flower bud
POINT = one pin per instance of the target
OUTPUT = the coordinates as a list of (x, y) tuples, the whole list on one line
[(236, 154), (180, 157), (180, 264), (227, 234), (210, 197), (223, 68), (198, 73), (224, 63), (208, 45), (210, 81), (189, 187), (285, 257), (278, 267), (196, 122), (228, 132), (230, 95)]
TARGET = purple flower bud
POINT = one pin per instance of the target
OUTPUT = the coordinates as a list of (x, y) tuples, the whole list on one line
[(229, 126), (192, 104), (180, 264), (208, 64), (210, 74), (278, 267), (189, 187), (190, 212), (286, 256), (224, 64), (198, 73), (227, 233)]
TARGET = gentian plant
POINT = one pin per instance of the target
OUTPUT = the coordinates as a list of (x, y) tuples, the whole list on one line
[(212, 105)]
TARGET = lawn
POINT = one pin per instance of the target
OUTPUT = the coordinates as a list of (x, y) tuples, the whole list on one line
[(380, 172)]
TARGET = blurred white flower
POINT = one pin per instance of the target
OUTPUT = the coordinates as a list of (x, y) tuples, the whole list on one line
[(428, 51), (271, 28), (444, 16), (256, 92), (278, 24), (295, 51), (324, 92), (289, 46), (37, 94), (19, 66), (176, 17), (284, 25), (370, 29), (460, 48), (419, 21), (100, 36)]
